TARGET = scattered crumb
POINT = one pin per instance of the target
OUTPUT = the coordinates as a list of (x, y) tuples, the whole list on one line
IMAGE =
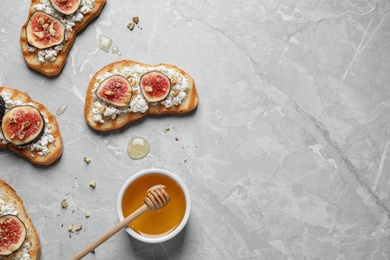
[(78, 227), (64, 203), (131, 25), (70, 228), (177, 139), (87, 214), (166, 129), (92, 184), (87, 160), (185, 159)]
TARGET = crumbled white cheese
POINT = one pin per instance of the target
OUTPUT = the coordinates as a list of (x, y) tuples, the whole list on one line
[(24, 254), (41, 146), (138, 103), (87, 6), (8, 209), (45, 7), (30, 48), (50, 54), (46, 139), (8, 101)]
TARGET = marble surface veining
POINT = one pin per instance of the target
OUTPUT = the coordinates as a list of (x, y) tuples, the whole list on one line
[(286, 157)]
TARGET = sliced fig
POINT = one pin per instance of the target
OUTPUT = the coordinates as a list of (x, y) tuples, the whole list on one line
[(2, 108), (23, 125), (155, 86), (115, 90), (44, 31), (66, 7), (13, 233)]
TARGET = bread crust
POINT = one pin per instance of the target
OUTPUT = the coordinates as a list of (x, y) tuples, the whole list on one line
[(54, 68), (55, 148), (9, 196), (121, 120)]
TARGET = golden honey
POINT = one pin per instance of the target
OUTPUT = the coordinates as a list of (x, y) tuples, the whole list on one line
[(160, 222), (138, 148)]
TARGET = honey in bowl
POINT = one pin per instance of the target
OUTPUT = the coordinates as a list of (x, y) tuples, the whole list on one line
[(160, 222)]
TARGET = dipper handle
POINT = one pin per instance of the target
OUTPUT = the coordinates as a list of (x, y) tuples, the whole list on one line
[(155, 199)]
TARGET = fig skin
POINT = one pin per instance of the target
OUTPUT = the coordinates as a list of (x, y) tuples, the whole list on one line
[(2, 109), (57, 4), (34, 137), (118, 96), (24, 234), (34, 28)]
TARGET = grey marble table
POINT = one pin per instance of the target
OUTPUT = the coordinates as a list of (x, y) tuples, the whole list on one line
[(286, 157)]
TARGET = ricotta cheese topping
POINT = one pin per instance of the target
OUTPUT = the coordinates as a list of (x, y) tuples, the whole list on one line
[(8, 209), (50, 54), (103, 111), (41, 145)]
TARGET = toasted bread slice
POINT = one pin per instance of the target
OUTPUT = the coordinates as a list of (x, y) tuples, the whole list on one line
[(10, 198), (54, 68), (35, 156), (188, 104)]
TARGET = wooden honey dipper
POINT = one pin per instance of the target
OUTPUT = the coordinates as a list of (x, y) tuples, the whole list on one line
[(156, 198)]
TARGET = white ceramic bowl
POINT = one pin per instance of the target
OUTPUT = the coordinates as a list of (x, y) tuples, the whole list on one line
[(174, 232)]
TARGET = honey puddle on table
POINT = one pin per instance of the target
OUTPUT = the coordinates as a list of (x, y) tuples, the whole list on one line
[(138, 148)]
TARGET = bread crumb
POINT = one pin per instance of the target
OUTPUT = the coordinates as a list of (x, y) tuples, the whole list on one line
[(92, 184), (131, 26), (136, 19), (87, 160), (64, 203), (70, 228), (87, 214), (78, 227), (185, 159)]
